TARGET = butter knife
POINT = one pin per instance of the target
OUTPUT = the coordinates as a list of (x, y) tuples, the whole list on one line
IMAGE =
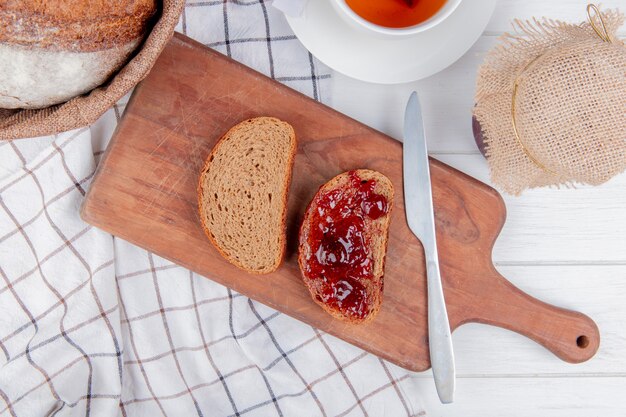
[(420, 216)]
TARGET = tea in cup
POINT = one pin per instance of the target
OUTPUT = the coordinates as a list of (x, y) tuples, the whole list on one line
[(395, 17)]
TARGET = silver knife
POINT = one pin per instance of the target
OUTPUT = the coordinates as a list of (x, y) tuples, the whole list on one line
[(420, 215)]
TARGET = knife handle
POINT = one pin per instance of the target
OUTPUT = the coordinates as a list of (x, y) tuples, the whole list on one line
[(439, 334)]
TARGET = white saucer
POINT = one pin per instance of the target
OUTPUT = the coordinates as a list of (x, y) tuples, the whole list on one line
[(372, 58)]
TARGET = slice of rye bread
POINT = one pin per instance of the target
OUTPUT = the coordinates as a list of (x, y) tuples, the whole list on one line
[(242, 193), (376, 234)]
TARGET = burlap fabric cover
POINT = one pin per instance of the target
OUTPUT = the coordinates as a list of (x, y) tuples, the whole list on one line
[(571, 105), (86, 109)]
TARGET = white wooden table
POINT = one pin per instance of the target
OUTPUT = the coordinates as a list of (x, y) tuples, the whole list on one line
[(566, 247)]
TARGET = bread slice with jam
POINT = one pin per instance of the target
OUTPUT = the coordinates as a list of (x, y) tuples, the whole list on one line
[(343, 243)]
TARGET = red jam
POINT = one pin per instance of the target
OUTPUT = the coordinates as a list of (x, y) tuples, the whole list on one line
[(341, 256)]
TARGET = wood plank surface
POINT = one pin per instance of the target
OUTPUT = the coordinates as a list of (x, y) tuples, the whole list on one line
[(538, 395), (566, 10), (145, 193)]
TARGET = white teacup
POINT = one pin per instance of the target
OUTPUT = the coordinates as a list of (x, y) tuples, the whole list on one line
[(355, 20)]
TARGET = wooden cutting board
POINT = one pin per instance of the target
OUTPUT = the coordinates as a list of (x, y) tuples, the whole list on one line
[(145, 192)]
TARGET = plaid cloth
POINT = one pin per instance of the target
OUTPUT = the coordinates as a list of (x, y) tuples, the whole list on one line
[(91, 325)]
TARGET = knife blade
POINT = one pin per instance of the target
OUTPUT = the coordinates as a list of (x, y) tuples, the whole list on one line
[(420, 216)]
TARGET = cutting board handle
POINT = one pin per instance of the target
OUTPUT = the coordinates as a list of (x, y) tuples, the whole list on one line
[(570, 335)]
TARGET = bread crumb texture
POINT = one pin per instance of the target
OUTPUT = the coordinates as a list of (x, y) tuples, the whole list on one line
[(243, 193)]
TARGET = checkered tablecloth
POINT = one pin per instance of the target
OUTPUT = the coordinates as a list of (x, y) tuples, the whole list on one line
[(91, 325)]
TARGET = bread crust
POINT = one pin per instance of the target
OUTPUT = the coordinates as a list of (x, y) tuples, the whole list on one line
[(54, 50), (58, 77), (286, 184), (74, 25), (304, 235)]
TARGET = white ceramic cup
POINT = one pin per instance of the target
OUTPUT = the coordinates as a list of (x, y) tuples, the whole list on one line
[(355, 20)]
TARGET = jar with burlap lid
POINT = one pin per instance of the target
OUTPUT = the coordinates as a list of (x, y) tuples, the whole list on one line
[(551, 103)]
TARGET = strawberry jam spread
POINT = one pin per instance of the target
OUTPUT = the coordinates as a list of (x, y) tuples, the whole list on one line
[(341, 256)]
